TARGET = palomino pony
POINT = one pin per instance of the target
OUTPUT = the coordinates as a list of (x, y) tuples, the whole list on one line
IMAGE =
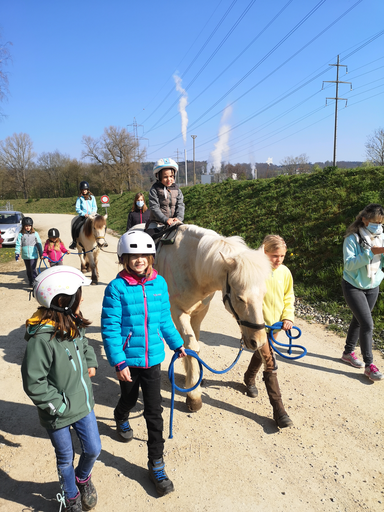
[(199, 263), (91, 238)]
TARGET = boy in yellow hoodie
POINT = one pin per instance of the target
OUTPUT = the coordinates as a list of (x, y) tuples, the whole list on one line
[(278, 306)]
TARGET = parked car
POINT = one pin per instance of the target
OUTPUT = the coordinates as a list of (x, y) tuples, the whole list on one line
[(10, 226)]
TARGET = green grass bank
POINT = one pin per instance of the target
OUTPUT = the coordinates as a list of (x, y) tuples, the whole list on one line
[(311, 212)]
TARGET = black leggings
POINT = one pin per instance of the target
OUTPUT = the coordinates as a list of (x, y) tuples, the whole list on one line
[(149, 381)]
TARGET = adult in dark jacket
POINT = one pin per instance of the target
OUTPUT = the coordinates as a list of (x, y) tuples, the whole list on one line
[(139, 213)]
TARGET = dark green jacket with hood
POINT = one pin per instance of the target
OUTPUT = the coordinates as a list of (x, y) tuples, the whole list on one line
[(55, 376)]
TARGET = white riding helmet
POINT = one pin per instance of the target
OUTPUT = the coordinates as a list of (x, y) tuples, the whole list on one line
[(56, 281), (165, 163), (135, 242)]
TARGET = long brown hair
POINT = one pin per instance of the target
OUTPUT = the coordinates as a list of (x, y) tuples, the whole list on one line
[(124, 260), (23, 230), (135, 208), (372, 211), (65, 326)]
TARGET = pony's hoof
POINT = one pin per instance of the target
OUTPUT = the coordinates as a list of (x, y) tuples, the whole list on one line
[(94, 282), (194, 405)]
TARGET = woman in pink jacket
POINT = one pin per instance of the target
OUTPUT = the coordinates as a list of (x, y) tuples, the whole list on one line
[(54, 248)]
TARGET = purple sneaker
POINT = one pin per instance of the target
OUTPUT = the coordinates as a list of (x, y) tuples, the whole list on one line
[(352, 360), (372, 372)]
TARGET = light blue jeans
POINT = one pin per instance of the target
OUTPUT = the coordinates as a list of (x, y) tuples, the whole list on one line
[(88, 434)]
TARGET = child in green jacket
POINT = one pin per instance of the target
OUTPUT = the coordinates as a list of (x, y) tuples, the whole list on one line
[(56, 371)]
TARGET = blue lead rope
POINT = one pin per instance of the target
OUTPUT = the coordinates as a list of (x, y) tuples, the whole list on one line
[(171, 376), (272, 341)]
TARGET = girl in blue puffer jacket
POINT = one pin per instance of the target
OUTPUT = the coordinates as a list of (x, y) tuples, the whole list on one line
[(135, 323)]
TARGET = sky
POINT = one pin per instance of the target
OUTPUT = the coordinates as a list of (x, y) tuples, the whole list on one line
[(245, 77)]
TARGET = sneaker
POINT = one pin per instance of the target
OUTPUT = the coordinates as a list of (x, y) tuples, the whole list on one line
[(70, 505), (159, 477), (88, 493), (124, 430), (73, 245), (352, 360), (372, 372)]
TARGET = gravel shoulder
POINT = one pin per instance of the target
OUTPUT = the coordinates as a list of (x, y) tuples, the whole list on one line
[(228, 456)]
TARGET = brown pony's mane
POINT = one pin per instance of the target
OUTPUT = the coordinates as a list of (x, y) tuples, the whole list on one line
[(98, 221)]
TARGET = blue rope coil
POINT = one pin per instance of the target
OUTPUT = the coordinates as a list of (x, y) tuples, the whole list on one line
[(171, 376), (272, 341)]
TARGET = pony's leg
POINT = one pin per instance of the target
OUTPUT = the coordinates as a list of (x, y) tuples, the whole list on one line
[(92, 264), (83, 265), (183, 325)]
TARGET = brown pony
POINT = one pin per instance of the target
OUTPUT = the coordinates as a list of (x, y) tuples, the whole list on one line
[(91, 238)]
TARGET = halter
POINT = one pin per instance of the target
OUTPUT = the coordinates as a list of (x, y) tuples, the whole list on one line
[(227, 297)]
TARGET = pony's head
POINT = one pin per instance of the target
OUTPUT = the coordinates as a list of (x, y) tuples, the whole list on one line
[(243, 293), (96, 226)]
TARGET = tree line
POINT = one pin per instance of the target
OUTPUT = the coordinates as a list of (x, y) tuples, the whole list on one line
[(114, 163)]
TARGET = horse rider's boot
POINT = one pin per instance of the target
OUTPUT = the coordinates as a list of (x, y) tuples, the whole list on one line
[(279, 413), (250, 375)]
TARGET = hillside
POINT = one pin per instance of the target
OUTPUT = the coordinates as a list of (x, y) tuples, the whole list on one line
[(311, 212)]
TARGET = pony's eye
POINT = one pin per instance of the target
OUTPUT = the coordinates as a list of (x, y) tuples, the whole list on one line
[(241, 299)]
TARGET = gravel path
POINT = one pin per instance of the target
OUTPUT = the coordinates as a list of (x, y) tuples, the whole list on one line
[(229, 456)]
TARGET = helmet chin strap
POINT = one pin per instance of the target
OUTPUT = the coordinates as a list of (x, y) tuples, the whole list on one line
[(68, 311)]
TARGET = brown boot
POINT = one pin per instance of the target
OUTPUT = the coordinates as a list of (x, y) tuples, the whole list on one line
[(250, 374), (279, 413)]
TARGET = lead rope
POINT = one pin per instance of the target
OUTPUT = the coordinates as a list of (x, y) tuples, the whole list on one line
[(171, 376), (272, 341)]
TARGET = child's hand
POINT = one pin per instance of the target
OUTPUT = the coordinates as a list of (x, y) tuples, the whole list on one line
[(91, 372), (17, 256), (287, 325), (68, 252), (124, 375), (182, 352)]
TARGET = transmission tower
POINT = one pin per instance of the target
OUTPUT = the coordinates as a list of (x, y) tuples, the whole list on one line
[(337, 99), (137, 140)]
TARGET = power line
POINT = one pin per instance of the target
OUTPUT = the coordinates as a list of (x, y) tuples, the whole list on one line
[(229, 33), (270, 74), (197, 55), (233, 61), (192, 45)]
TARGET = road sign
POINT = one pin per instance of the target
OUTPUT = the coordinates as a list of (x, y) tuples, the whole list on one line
[(104, 199)]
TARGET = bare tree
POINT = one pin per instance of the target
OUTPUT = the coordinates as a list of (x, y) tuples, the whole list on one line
[(53, 166), (16, 156), (375, 147), (117, 151), (295, 164)]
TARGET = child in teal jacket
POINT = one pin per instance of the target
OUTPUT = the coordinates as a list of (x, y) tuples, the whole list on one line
[(28, 244)]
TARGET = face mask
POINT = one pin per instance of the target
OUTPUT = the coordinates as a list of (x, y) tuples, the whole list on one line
[(375, 229), (140, 204)]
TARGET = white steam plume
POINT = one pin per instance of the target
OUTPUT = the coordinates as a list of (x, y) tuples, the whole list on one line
[(221, 146), (182, 106)]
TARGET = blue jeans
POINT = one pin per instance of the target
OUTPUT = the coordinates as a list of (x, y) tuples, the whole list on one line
[(361, 302), (88, 434)]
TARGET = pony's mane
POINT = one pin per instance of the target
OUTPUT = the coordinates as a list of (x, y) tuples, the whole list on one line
[(251, 264), (98, 221)]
